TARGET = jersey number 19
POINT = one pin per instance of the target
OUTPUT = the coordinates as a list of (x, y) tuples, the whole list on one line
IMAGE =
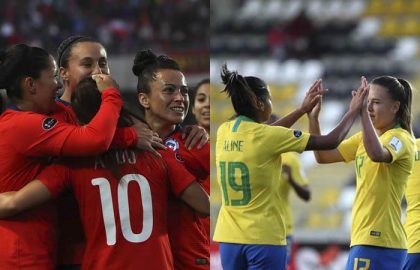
[(231, 172)]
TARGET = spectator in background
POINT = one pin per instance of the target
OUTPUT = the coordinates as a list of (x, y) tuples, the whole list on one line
[(120, 24)]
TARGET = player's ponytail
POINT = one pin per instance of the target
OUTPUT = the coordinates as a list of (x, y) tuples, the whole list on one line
[(18, 62), (399, 90), (244, 92), (86, 101), (405, 106)]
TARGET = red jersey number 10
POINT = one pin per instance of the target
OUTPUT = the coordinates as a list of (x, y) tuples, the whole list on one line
[(123, 208)]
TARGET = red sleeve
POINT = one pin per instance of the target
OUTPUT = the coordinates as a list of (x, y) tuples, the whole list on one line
[(40, 135), (124, 138), (179, 177), (56, 178), (197, 158)]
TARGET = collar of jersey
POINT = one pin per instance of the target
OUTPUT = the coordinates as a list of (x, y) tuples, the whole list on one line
[(178, 127), (14, 107), (62, 101), (238, 120)]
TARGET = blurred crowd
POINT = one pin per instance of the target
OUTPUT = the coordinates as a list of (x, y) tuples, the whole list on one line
[(123, 26)]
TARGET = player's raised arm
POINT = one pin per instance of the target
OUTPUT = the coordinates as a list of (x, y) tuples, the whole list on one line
[(333, 139)]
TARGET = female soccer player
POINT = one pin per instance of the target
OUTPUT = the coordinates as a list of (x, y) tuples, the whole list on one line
[(163, 96), (412, 221), (250, 227), (33, 130), (201, 104), (122, 196), (78, 57), (81, 56), (384, 154)]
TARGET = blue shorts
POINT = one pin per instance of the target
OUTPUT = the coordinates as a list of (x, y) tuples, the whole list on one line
[(412, 261), (375, 258), (289, 240), (261, 257)]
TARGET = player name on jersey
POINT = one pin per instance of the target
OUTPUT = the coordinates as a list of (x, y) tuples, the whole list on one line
[(230, 146), (121, 156)]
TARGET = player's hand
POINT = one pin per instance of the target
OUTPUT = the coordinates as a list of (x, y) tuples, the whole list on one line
[(314, 113), (104, 81), (195, 134), (147, 139), (312, 97), (359, 97)]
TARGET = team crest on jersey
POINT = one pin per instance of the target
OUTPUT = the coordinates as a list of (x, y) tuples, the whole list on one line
[(172, 143), (297, 133), (49, 123), (396, 144)]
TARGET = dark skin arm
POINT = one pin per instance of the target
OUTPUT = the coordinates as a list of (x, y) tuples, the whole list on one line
[(303, 192)]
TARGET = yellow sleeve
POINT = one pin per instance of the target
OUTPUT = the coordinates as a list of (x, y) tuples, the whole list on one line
[(396, 142), (286, 140), (348, 147)]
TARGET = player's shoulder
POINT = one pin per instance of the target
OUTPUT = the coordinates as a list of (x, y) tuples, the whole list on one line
[(16, 119), (400, 134)]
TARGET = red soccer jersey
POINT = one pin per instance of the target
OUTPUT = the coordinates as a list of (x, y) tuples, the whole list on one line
[(27, 140), (71, 240), (189, 233), (124, 219)]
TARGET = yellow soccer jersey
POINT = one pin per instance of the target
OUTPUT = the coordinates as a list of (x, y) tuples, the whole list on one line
[(248, 170), (376, 213), (412, 194), (292, 160)]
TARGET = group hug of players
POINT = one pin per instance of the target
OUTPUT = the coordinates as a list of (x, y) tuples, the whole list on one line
[(87, 184), (251, 225)]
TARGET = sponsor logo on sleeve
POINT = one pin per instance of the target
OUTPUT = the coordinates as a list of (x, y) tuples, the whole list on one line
[(172, 143), (396, 144), (297, 133), (49, 123), (375, 233)]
